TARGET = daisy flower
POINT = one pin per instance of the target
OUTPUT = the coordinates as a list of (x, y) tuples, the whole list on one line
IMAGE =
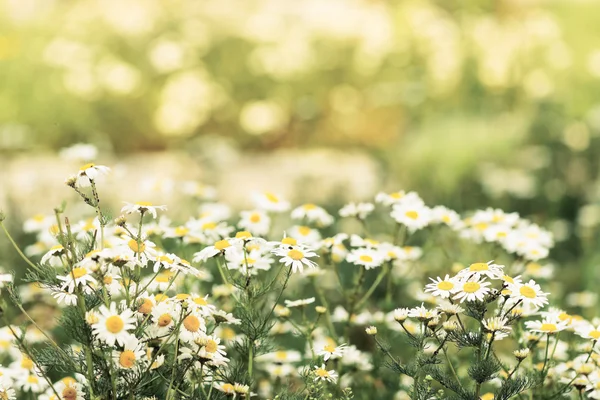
[(296, 257), (368, 258), (471, 290), (529, 293), (66, 298), (142, 207), (77, 276), (546, 325), (270, 202), (324, 375), (299, 303), (388, 199), (7, 393), (305, 235), (131, 355), (220, 247), (357, 210), (444, 215), (53, 255), (313, 213), (164, 315), (330, 351), (441, 287), (422, 313), (414, 215), (256, 222), (90, 172), (226, 388), (192, 327), (481, 269), (588, 331), (496, 324), (113, 326)]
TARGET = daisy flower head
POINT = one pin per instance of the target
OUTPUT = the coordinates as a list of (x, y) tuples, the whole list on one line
[(90, 172), (496, 324), (53, 256), (77, 276), (322, 374), (414, 215), (366, 257), (357, 210), (305, 235), (588, 331), (223, 246), (313, 213), (192, 327), (546, 325), (132, 354), (530, 294), (295, 257), (269, 201), (481, 269), (113, 326), (330, 351), (256, 222), (299, 303), (226, 388), (444, 215), (142, 207), (472, 290), (8, 393), (443, 288), (422, 313)]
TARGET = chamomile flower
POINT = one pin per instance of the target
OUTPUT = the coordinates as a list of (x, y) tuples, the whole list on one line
[(330, 351), (443, 288), (8, 393), (305, 235), (90, 172), (192, 327), (164, 316), (63, 297), (588, 331), (299, 303), (113, 326), (496, 324), (131, 356), (220, 247), (269, 201), (226, 388), (357, 210), (256, 222), (414, 215), (481, 269), (547, 325), (324, 375), (530, 294), (296, 257), (444, 215), (53, 256), (142, 207), (368, 258), (77, 276), (314, 214), (471, 290)]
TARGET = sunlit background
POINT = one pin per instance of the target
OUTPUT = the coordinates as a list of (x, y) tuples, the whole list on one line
[(472, 104)]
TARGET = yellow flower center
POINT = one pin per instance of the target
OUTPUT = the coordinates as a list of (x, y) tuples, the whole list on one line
[(182, 296), (304, 230), (32, 379), (68, 380), (164, 259), (322, 373), (191, 323), (281, 355), (201, 301), (69, 393), (365, 258), (250, 261), (57, 247), (289, 240), (595, 334), (181, 231), (412, 214), (222, 245), (160, 297), (38, 217), (209, 226), (227, 387), (78, 272), (26, 363), (243, 235), (127, 359), (508, 279), (446, 219), (91, 253), (527, 292), (488, 396), (211, 346), (146, 306), (295, 255), (329, 348), (255, 217), (143, 204), (309, 206), (271, 197), (471, 287), (445, 285), (87, 166), (478, 267), (135, 247), (548, 328), (114, 324), (107, 280), (164, 320)]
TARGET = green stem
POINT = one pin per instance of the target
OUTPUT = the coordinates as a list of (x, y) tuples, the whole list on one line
[(23, 256)]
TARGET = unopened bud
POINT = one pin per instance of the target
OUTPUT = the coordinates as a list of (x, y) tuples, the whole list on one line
[(371, 330), (320, 309)]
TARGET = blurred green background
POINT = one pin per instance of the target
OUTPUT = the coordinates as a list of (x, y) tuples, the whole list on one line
[(470, 103)]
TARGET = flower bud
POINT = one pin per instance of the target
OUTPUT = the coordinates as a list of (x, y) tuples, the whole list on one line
[(371, 330)]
